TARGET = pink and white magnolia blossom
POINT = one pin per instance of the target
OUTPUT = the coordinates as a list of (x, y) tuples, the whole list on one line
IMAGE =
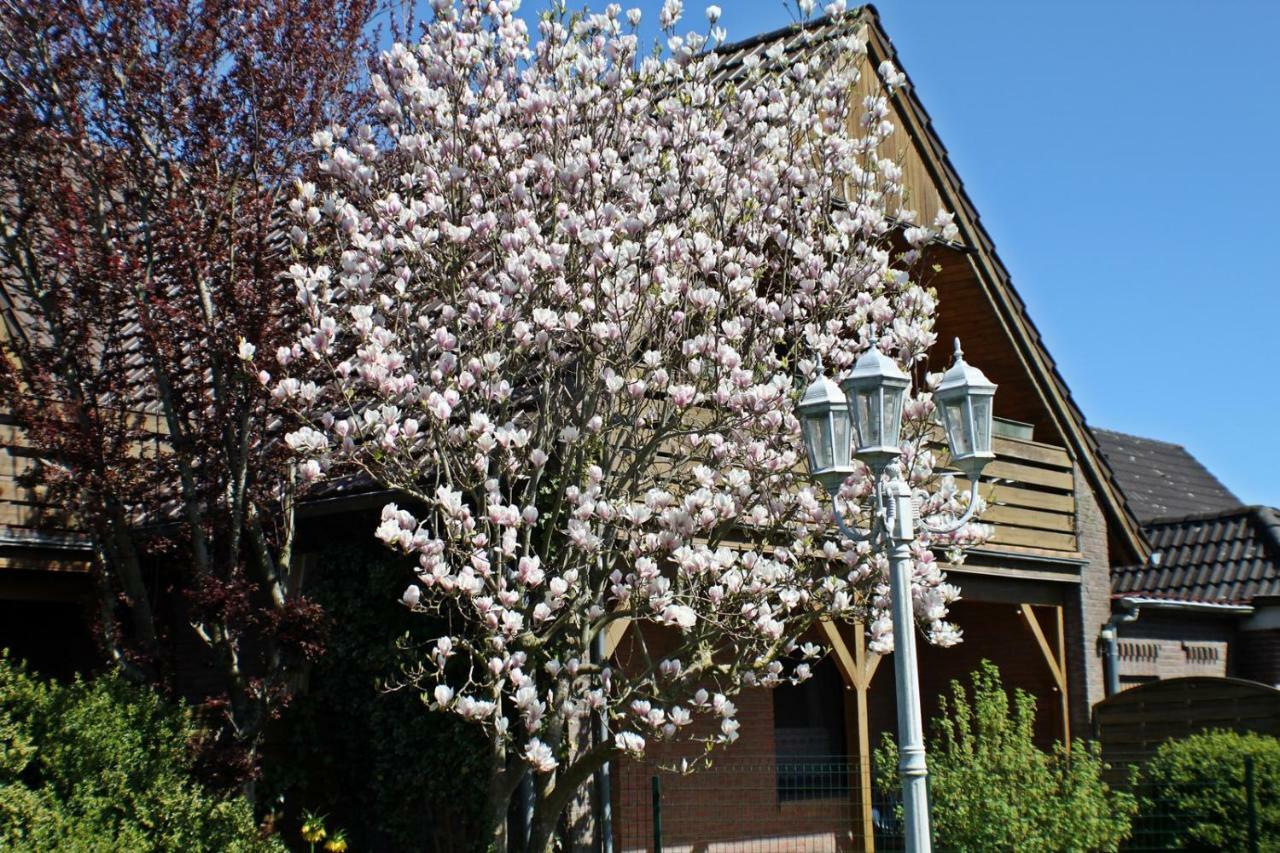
[(564, 297)]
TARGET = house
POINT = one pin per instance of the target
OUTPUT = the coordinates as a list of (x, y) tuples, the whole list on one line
[(1034, 596), (1207, 600)]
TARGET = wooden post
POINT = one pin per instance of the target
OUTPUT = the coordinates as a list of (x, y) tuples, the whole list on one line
[(857, 670), (867, 669), (1057, 662)]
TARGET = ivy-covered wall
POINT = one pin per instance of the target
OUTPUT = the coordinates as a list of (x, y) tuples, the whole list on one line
[(373, 760)]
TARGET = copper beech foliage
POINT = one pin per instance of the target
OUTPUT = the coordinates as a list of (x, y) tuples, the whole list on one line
[(145, 149)]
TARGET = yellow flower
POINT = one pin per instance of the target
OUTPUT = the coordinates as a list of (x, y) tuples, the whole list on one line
[(337, 843), (312, 828)]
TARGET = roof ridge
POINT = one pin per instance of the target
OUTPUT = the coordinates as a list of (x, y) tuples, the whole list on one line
[(791, 29), (1182, 447), (1208, 515)]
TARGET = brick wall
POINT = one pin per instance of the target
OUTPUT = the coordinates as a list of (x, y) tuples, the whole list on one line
[(1088, 611), (1259, 656), (734, 802), (1164, 644)]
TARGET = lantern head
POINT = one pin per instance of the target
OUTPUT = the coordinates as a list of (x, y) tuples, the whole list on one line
[(824, 421), (964, 397), (876, 388)]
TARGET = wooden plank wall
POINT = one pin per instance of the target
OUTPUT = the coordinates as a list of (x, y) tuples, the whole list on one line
[(25, 508), (1030, 494), (920, 194)]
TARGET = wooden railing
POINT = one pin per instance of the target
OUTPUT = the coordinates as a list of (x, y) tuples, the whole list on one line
[(1030, 494), (25, 506)]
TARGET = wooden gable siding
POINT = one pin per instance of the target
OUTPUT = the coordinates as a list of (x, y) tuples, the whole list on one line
[(920, 193), (1009, 312), (965, 312)]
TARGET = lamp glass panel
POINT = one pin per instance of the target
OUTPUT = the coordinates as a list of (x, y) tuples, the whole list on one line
[(981, 423), (840, 436), (818, 441), (893, 398), (953, 411), (868, 417)]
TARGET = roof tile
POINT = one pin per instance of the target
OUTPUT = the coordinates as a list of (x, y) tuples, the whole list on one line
[(1161, 479), (1224, 557)]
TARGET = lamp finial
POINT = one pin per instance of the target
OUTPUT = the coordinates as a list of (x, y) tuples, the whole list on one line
[(959, 352)]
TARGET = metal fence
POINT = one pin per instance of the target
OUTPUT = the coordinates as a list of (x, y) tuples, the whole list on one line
[(1218, 808), (765, 803), (790, 805)]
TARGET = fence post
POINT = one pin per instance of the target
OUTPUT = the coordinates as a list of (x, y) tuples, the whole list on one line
[(1251, 800), (657, 815)]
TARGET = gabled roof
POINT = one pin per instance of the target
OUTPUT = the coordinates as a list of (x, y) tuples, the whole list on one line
[(1226, 557), (1162, 480), (993, 276)]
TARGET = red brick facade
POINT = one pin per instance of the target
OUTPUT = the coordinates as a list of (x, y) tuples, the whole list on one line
[(737, 800)]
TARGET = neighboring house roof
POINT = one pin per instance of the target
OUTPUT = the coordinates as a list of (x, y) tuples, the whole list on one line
[(1226, 557), (1162, 480), (993, 275)]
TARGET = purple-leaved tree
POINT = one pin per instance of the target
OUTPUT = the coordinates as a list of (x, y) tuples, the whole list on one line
[(145, 152)]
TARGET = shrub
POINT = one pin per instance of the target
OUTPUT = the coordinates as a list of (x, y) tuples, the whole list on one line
[(992, 788), (1193, 792), (104, 765)]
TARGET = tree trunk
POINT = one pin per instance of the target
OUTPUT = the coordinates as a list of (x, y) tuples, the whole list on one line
[(499, 797), (554, 798)]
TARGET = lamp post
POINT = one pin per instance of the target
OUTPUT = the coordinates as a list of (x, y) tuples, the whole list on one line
[(862, 417)]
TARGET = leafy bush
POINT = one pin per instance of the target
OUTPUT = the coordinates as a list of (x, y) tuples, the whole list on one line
[(992, 788), (381, 766), (104, 765), (1193, 792)]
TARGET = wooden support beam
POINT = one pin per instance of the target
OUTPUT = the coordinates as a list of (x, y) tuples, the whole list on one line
[(840, 651), (866, 669), (613, 633), (1062, 667), (857, 670), (1056, 661)]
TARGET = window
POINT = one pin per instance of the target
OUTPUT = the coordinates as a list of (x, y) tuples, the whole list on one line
[(809, 736)]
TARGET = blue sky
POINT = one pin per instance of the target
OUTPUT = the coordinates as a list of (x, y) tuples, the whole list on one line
[(1125, 157)]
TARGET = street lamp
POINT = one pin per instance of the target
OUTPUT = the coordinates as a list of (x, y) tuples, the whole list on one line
[(872, 398)]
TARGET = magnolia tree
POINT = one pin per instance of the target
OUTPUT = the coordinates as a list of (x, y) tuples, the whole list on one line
[(563, 296)]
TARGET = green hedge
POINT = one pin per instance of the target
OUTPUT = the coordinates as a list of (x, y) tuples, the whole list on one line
[(1193, 796), (104, 765)]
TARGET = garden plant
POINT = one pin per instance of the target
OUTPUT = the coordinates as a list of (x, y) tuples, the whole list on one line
[(1193, 794), (992, 788)]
